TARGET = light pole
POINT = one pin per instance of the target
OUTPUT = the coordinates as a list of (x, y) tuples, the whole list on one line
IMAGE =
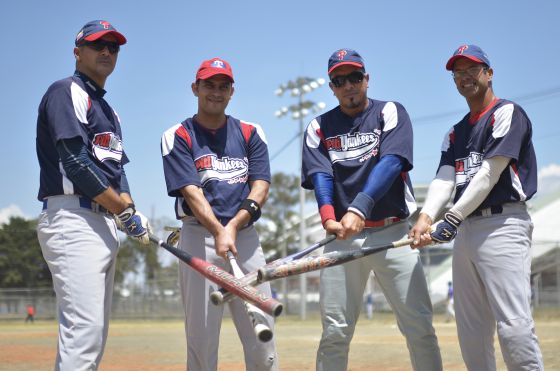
[(298, 88)]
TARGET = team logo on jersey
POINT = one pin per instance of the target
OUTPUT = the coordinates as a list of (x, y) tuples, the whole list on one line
[(218, 64), (361, 146), (225, 169), (341, 54), (467, 167), (107, 146)]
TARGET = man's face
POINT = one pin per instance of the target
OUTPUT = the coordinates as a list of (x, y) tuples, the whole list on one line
[(351, 91), (471, 78), (97, 64), (213, 94)]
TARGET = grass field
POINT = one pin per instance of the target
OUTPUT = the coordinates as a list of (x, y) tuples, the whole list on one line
[(160, 345)]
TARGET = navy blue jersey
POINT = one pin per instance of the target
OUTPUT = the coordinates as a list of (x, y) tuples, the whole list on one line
[(221, 162), (349, 148), (503, 129), (74, 107)]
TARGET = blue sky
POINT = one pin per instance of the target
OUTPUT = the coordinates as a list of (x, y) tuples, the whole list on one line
[(405, 45)]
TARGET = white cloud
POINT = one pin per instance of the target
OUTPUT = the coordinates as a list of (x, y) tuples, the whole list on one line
[(10, 211), (552, 170)]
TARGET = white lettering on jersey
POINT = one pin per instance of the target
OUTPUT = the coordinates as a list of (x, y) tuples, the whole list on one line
[(390, 116), (80, 100), (107, 146), (353, 146), (226, 169), (466, 168), (502, 120), (168, 139)]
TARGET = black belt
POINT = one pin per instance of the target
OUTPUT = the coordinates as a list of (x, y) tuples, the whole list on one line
[(492, 210), (85, 203)]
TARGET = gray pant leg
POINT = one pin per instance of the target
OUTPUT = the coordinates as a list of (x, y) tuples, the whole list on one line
[(401, 276), (499, 248), (80, 248), (203, 320), (259, 356)]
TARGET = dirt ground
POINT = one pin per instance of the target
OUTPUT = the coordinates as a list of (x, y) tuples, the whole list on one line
[(160, 345)]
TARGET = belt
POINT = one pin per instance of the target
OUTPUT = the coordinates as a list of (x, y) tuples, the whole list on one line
[(381, 223), (85, 203), (492, 210)]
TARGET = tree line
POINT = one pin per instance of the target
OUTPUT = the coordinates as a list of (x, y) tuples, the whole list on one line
[(22, 264)]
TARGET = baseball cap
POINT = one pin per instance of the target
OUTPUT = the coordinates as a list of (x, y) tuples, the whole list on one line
[(214, 66), (343, 57), (96, 29), (472, 52)]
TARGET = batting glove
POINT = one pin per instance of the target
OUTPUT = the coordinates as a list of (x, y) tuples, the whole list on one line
[(134, 224), (445, 230), (173, 237)]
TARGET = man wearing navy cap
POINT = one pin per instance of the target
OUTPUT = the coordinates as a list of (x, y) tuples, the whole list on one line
[(356, 158), (85, 196), (217, 170), (489, 161)]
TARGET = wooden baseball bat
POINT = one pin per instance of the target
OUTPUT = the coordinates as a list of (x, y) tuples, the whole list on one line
[(222, 295), (322, 261), (257, 316), (224, 279)]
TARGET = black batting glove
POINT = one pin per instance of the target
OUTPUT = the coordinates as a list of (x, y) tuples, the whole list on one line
[(446, 229)]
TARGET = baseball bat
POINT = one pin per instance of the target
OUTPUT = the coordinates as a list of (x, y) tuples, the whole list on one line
[(222, 295), (322, 261), (224, 279), (257, 316)]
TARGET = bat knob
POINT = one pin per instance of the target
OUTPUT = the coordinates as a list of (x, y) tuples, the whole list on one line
[(216, 297)]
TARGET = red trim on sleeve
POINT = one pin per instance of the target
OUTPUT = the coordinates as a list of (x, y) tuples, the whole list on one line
[(514, 168), (247, 130), (326, 212), (183, 133)]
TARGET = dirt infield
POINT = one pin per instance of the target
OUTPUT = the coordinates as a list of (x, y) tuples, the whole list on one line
[(160, 345)]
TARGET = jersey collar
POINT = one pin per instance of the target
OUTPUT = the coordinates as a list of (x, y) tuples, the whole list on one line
[(91, 87)]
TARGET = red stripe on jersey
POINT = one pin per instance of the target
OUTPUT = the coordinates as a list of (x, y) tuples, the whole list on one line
[(452, 137), (473, 119), (320, 134), (247, 130), (183, 133), (514, 168), (88, 103), (327, 213)]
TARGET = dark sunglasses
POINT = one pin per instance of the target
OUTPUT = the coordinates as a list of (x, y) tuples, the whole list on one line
[(355, 77), (99, 45)]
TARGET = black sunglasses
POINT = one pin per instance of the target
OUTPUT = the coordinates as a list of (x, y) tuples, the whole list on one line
[(99, 45), (355, 77)]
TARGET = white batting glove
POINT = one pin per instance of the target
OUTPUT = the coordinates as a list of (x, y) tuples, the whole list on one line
[(173, 238), (134, 224)]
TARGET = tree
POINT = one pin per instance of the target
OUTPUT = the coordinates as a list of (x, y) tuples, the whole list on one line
[(21, 259), (278, 213)]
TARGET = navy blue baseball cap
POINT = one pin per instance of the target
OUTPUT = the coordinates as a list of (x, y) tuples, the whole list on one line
[(96, 29), (343, 57), (472, 52)]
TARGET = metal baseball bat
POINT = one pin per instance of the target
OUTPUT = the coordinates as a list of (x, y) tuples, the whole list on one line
[(322, 261), (222, 295), (224, 279), (257, 316)]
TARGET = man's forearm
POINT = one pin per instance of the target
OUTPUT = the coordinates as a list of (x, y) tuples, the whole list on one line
[(201, 208)]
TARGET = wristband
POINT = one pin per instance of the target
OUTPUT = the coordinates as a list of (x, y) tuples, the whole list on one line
[(252, 207)]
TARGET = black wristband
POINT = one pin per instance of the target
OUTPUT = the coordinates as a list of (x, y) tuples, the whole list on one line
[(252, 207)]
